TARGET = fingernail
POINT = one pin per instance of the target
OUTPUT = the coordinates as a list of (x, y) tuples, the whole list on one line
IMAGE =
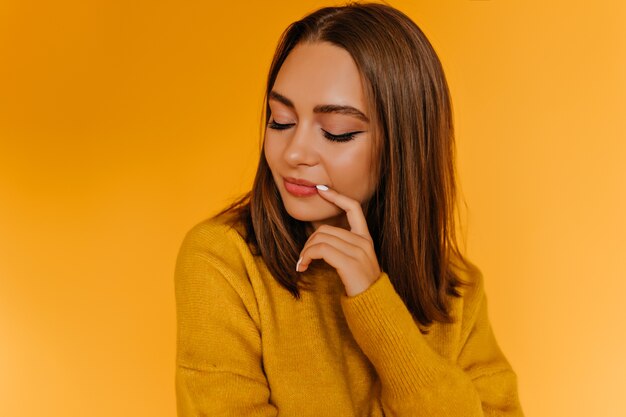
[(321, 187), (298, 264)]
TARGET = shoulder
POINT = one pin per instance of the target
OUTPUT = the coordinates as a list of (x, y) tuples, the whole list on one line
[(221, 230), (471, 307), (217, 240), (470, 275), (213, 272), (472, 290)]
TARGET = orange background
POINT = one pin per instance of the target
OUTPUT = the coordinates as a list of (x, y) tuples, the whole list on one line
[(122, 124)]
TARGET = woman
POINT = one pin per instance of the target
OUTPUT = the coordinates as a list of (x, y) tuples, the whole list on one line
[(335, 287)]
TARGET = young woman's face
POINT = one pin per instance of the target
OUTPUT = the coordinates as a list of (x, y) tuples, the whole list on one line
[(313, 83)]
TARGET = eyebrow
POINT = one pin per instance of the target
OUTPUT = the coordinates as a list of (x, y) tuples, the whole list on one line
[(322, 108)]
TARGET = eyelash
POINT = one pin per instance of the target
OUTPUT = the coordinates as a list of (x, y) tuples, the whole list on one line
[(335, 138)]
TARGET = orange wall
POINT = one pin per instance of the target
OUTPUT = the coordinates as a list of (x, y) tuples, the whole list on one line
[(122, 124)]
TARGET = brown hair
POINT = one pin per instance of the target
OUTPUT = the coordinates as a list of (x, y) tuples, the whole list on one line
[(411, 213)]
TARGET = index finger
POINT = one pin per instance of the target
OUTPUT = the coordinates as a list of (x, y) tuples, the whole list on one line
[(353, 209)]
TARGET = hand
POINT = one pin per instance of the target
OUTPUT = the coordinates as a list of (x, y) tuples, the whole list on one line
[(350, 252)]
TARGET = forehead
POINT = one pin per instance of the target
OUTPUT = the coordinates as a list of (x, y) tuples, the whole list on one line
[(320, 73)]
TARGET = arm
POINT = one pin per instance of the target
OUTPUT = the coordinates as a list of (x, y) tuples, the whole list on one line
[(218, 357), (416, 380), (483, 361)]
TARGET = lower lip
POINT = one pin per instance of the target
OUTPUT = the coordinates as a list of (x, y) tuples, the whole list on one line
[(299, 190)]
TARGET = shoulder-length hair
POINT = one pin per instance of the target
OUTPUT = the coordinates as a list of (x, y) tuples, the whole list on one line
[(411, 213)]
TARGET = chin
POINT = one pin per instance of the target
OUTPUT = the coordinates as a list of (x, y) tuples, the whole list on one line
[(309, 211), (305, 214)]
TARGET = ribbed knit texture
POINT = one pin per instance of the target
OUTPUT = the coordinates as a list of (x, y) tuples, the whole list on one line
[(247, 347)]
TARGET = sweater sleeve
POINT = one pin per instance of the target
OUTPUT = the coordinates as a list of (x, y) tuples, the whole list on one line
[(416, 380), (218, 347)]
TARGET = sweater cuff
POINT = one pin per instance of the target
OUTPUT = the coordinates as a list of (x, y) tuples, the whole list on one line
[(387, 333)]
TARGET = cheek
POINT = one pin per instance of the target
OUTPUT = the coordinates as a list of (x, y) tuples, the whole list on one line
[(271, 150), (351, 170)]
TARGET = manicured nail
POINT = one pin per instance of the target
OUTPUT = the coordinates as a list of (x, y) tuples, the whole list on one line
[(321, 187), (298, 264)]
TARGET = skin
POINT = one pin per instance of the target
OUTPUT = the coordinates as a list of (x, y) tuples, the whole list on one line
[(319, 74)]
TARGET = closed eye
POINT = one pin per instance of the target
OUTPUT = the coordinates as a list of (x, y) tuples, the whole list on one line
[(335, 138)]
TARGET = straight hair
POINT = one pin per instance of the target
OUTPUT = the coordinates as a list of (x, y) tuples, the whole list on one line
[(411, 212)]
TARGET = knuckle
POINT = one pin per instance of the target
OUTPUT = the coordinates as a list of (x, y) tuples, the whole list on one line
[(323, 228), (316, 247)]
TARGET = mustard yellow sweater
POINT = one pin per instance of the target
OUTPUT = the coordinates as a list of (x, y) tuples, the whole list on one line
[(246, 347)]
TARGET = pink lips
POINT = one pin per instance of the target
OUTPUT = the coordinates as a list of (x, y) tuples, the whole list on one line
[(300, 190)]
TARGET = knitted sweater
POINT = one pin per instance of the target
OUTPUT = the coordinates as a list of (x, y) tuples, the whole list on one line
[(246, 347)]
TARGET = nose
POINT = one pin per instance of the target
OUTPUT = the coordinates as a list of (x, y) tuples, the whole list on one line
[(301, 149)]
